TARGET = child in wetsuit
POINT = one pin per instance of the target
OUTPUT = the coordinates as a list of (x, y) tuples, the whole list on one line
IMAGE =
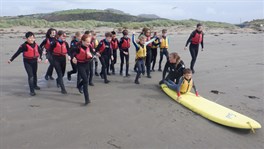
[(185, 84)]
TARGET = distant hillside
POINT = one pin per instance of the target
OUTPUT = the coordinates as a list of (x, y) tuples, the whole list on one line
[(90, 18), (150, 16), (257, 24), (108, 15)]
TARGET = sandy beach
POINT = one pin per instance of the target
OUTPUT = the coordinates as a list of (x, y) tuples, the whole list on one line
[(123, 115)]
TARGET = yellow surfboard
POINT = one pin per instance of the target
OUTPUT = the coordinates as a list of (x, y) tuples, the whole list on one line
[(213, 111)]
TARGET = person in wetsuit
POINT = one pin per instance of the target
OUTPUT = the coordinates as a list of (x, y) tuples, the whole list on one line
[(105, 53), (59, 50), (196, 38), (82, 57), (175, 67), (31, 56), (50, 37)]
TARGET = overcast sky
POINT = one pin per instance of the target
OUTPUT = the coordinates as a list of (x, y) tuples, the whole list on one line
[(231, 11)]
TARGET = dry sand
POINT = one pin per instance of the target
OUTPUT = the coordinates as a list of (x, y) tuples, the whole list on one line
[(128, 116)]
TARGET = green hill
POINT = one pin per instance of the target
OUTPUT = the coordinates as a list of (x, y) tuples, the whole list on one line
[(90, 18)]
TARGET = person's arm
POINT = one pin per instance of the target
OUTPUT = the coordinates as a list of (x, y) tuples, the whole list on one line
[(20, 50), (179, 87), (98, 47), (202, 43), (165, 70), (40, 50), (43, 43), (150, 41), (189, 39), (135, 43), (120, 43), (68, 48), (195, 90)]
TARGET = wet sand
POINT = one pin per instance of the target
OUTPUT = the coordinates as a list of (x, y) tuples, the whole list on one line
[(129, 116)]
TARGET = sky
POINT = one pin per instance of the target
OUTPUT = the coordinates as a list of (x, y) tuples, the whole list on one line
[(231, 11)]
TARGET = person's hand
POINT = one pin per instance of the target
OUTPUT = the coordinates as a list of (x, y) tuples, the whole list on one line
[(74, 60), (39, 60), (44, 52), (93, 50), (46, 61), (185, 48), (8, 61), (196, 93), (179, 98), (98, 54), (69, 58), (89, 54), (133, 32), (126, 53), (112, 57)]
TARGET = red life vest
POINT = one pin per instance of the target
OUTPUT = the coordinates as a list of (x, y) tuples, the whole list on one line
[(126, 43), (102, 48), (198, 38), (31, 52), (114, 44), (47, 45), (83, 56), (92, 44), (148, 39), (60, 49)]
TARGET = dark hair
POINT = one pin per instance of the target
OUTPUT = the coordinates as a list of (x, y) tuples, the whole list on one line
[(60, 32), (108, 34), (187, 71), (113, 33), (164, 30), (199, 24), (125, 32), (85, 36), (28, 34), (87, 32), (49, 32)]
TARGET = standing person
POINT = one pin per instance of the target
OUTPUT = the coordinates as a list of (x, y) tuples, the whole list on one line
[(164, 45), (124, 46), (141, 53), (154, 50), (31, 56), (74, 43), (95, 44), (59, 49), (149, 53), (105, 52), (82, 57), (50, 37), (175, 66), (196, 38), (114, 44), (141, 34)]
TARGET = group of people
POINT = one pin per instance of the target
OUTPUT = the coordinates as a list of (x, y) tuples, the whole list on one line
[(85, 50)]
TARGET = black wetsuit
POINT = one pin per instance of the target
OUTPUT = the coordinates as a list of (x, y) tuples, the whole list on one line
[(105, 58), (60, 65), (84, 72), (74, 44), (113, 62), (154, 51), (175, 71), (148, 60), (31, 66), (194, 48), (49, 57), (123, 56)]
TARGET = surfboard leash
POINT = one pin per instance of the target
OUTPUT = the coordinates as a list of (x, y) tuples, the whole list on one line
[(252, 129)]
